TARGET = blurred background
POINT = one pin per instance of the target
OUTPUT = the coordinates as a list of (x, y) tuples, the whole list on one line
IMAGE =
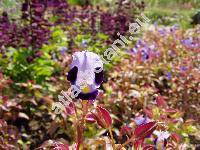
[(157, 75)]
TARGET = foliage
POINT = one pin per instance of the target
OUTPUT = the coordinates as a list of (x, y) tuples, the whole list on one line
[(150, 90)]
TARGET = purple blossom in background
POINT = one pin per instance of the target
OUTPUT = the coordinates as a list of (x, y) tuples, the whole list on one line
[(134, 50), (168, 75), (155, 24), (162, 32), (145, 55), (183, 69), (174, 28), (189, 42), (140, 42), (63, 50), (128, 51), (141, 120), (56, 3), (146, 51), (84, 43), (157, 54)]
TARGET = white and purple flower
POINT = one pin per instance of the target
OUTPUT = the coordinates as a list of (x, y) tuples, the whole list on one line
[(86, 74), (161, 140)]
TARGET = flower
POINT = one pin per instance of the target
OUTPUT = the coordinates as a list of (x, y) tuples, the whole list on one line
[(168, 75), (162, 32), (132, 51), (63, 50), (145, 55), (189, 42), (183, 69), (161, 140), (86, 74), (174, 28), (161, 135), (141, 120), (155, 24), (84, 43)]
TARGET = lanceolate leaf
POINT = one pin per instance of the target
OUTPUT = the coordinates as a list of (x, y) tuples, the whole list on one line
[(145, 130), (106, 116), (176, 137)]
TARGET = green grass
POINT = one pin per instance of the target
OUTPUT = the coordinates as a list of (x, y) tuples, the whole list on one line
[(167, 15), (172, 3), (12, 7)]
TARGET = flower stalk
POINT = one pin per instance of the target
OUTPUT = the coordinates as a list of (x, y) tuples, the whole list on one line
[(81, 125), (112, 139)]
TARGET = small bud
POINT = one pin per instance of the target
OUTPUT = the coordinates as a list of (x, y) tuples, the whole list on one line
[(90, 118)]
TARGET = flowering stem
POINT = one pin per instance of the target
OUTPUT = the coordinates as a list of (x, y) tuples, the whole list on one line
[(77, 127), (113, 142), (81, 125)]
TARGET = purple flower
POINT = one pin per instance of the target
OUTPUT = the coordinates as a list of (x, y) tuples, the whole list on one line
[(84, 43), (145, 55), (174, 28), (139, 43), (162, 32), (168, 75), (63, 50), (141, 120), (189, 43), (86, 74), (134, 50), (183, 69), (162, 136), (155, 24)]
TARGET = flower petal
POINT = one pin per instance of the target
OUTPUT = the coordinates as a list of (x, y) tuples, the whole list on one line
[(99, 77), (72, 74), (88, 96)]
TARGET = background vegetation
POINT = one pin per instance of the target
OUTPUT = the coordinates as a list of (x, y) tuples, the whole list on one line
[(157, 75)]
